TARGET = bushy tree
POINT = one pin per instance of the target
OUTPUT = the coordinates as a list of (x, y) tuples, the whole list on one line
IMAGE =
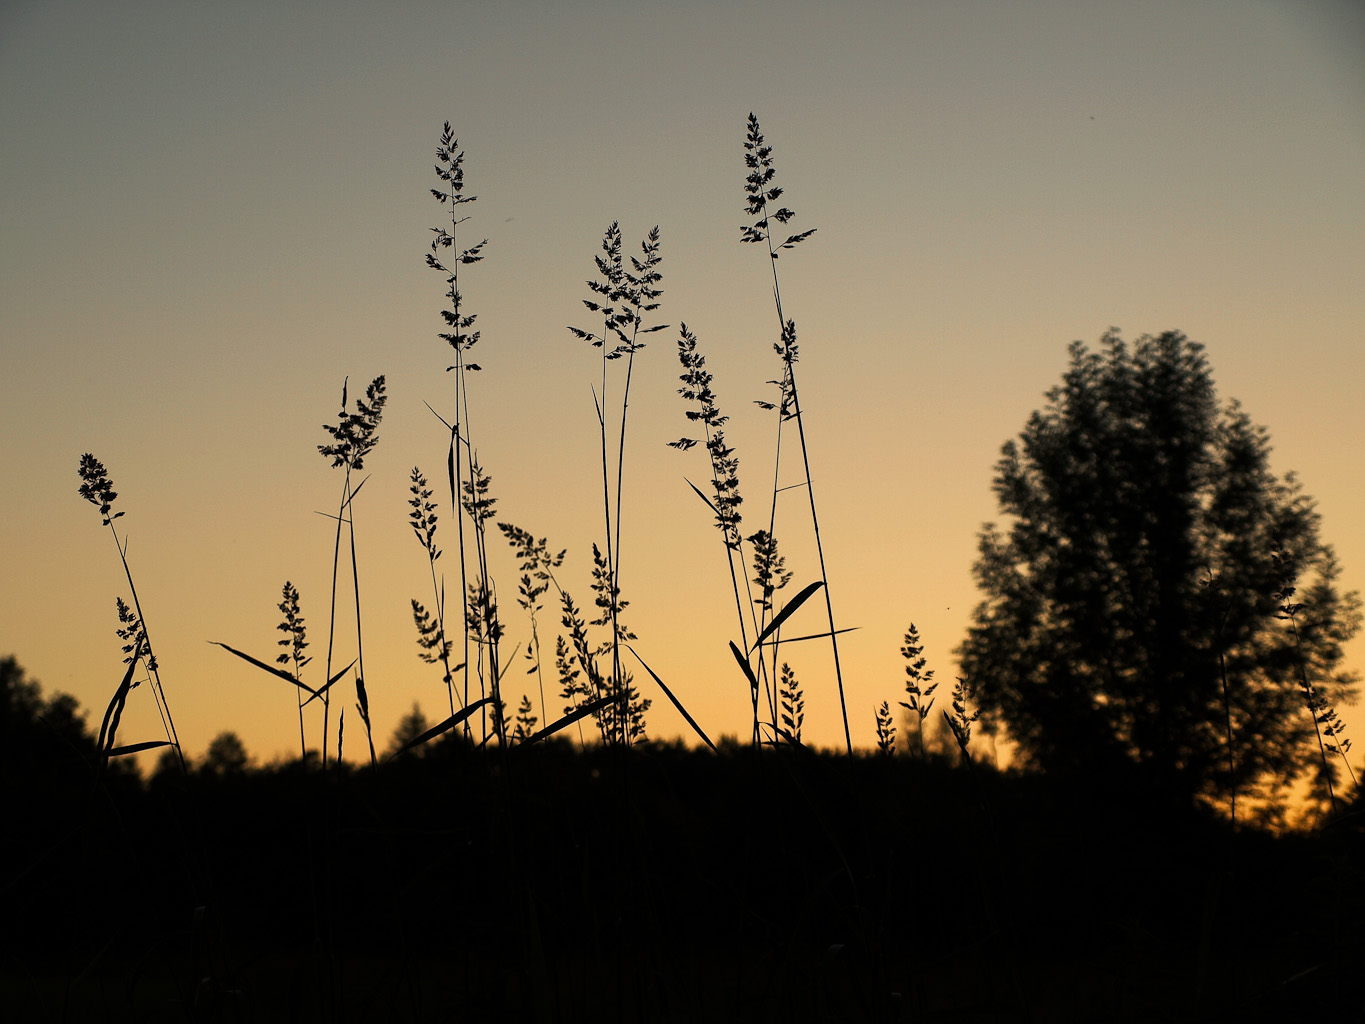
[(1132, 617), (227, 755), (38, 732), (410, 726)]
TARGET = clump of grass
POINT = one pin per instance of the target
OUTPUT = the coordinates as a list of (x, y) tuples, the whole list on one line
[(919, 685), (761, 203), (622, 298), (98, 489), (353, 438)]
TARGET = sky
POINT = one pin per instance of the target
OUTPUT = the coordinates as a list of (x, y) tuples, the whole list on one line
[(212, 214)]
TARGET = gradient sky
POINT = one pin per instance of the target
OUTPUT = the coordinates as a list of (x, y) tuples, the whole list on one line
[(212, 213)]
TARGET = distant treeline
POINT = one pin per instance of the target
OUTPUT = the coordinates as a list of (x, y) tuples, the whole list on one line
[(647, 883)]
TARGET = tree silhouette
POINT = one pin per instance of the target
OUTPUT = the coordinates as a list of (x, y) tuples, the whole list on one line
[(1131, 618), (34, 731), (226, 755), (410, 726)]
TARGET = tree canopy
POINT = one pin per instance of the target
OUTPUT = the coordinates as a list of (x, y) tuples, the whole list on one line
[(1136, 602)]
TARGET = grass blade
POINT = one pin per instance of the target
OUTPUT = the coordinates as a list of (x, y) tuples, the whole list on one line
[(811, 636), (330, 683), (114, 712), (448, 724), (134, 748), (744, 666), (676, 703), (574, 716), (269, 668), (703, 497), (786, 613)]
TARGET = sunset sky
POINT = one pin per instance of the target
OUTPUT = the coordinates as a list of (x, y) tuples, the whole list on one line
[(213, 213)]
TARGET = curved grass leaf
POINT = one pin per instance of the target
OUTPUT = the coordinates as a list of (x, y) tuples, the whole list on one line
[(330, 683), (810, 636), (702, 496), (269, 668), (114, 712), (787, 612), (134, 748), (676, 703), (445, 726), (587, 709), (744, 666)]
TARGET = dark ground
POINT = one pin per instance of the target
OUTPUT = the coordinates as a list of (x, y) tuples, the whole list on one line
[(666, 886)]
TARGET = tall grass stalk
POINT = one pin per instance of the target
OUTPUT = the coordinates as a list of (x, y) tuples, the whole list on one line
[(98, 489), (353, 438), (919, 684), (461, 339), (761, 193)]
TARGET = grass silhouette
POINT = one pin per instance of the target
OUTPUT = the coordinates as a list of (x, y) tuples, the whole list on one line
[(511, 873)]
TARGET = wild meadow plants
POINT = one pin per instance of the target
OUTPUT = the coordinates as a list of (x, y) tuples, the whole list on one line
[(592, 675), (98, 489), (469, 485), (547, 868), (761, 195), (353, 438), (586, 657)]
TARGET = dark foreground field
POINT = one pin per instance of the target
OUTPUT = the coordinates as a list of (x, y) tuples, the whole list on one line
[(664, 886)]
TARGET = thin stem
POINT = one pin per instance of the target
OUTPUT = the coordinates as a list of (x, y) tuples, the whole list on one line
[(332, 620)]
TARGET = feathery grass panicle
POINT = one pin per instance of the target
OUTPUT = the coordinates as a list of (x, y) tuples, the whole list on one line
[(295, 642), (356, 433), (696, 381), (525, 725), (919, 685), (793, 705), (536, 565), (435, 646), (770, 576), (886, 731), (98, 489), (960, 722), (483, 624)]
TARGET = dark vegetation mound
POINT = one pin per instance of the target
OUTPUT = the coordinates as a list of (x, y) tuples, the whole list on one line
[(664, 884)]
